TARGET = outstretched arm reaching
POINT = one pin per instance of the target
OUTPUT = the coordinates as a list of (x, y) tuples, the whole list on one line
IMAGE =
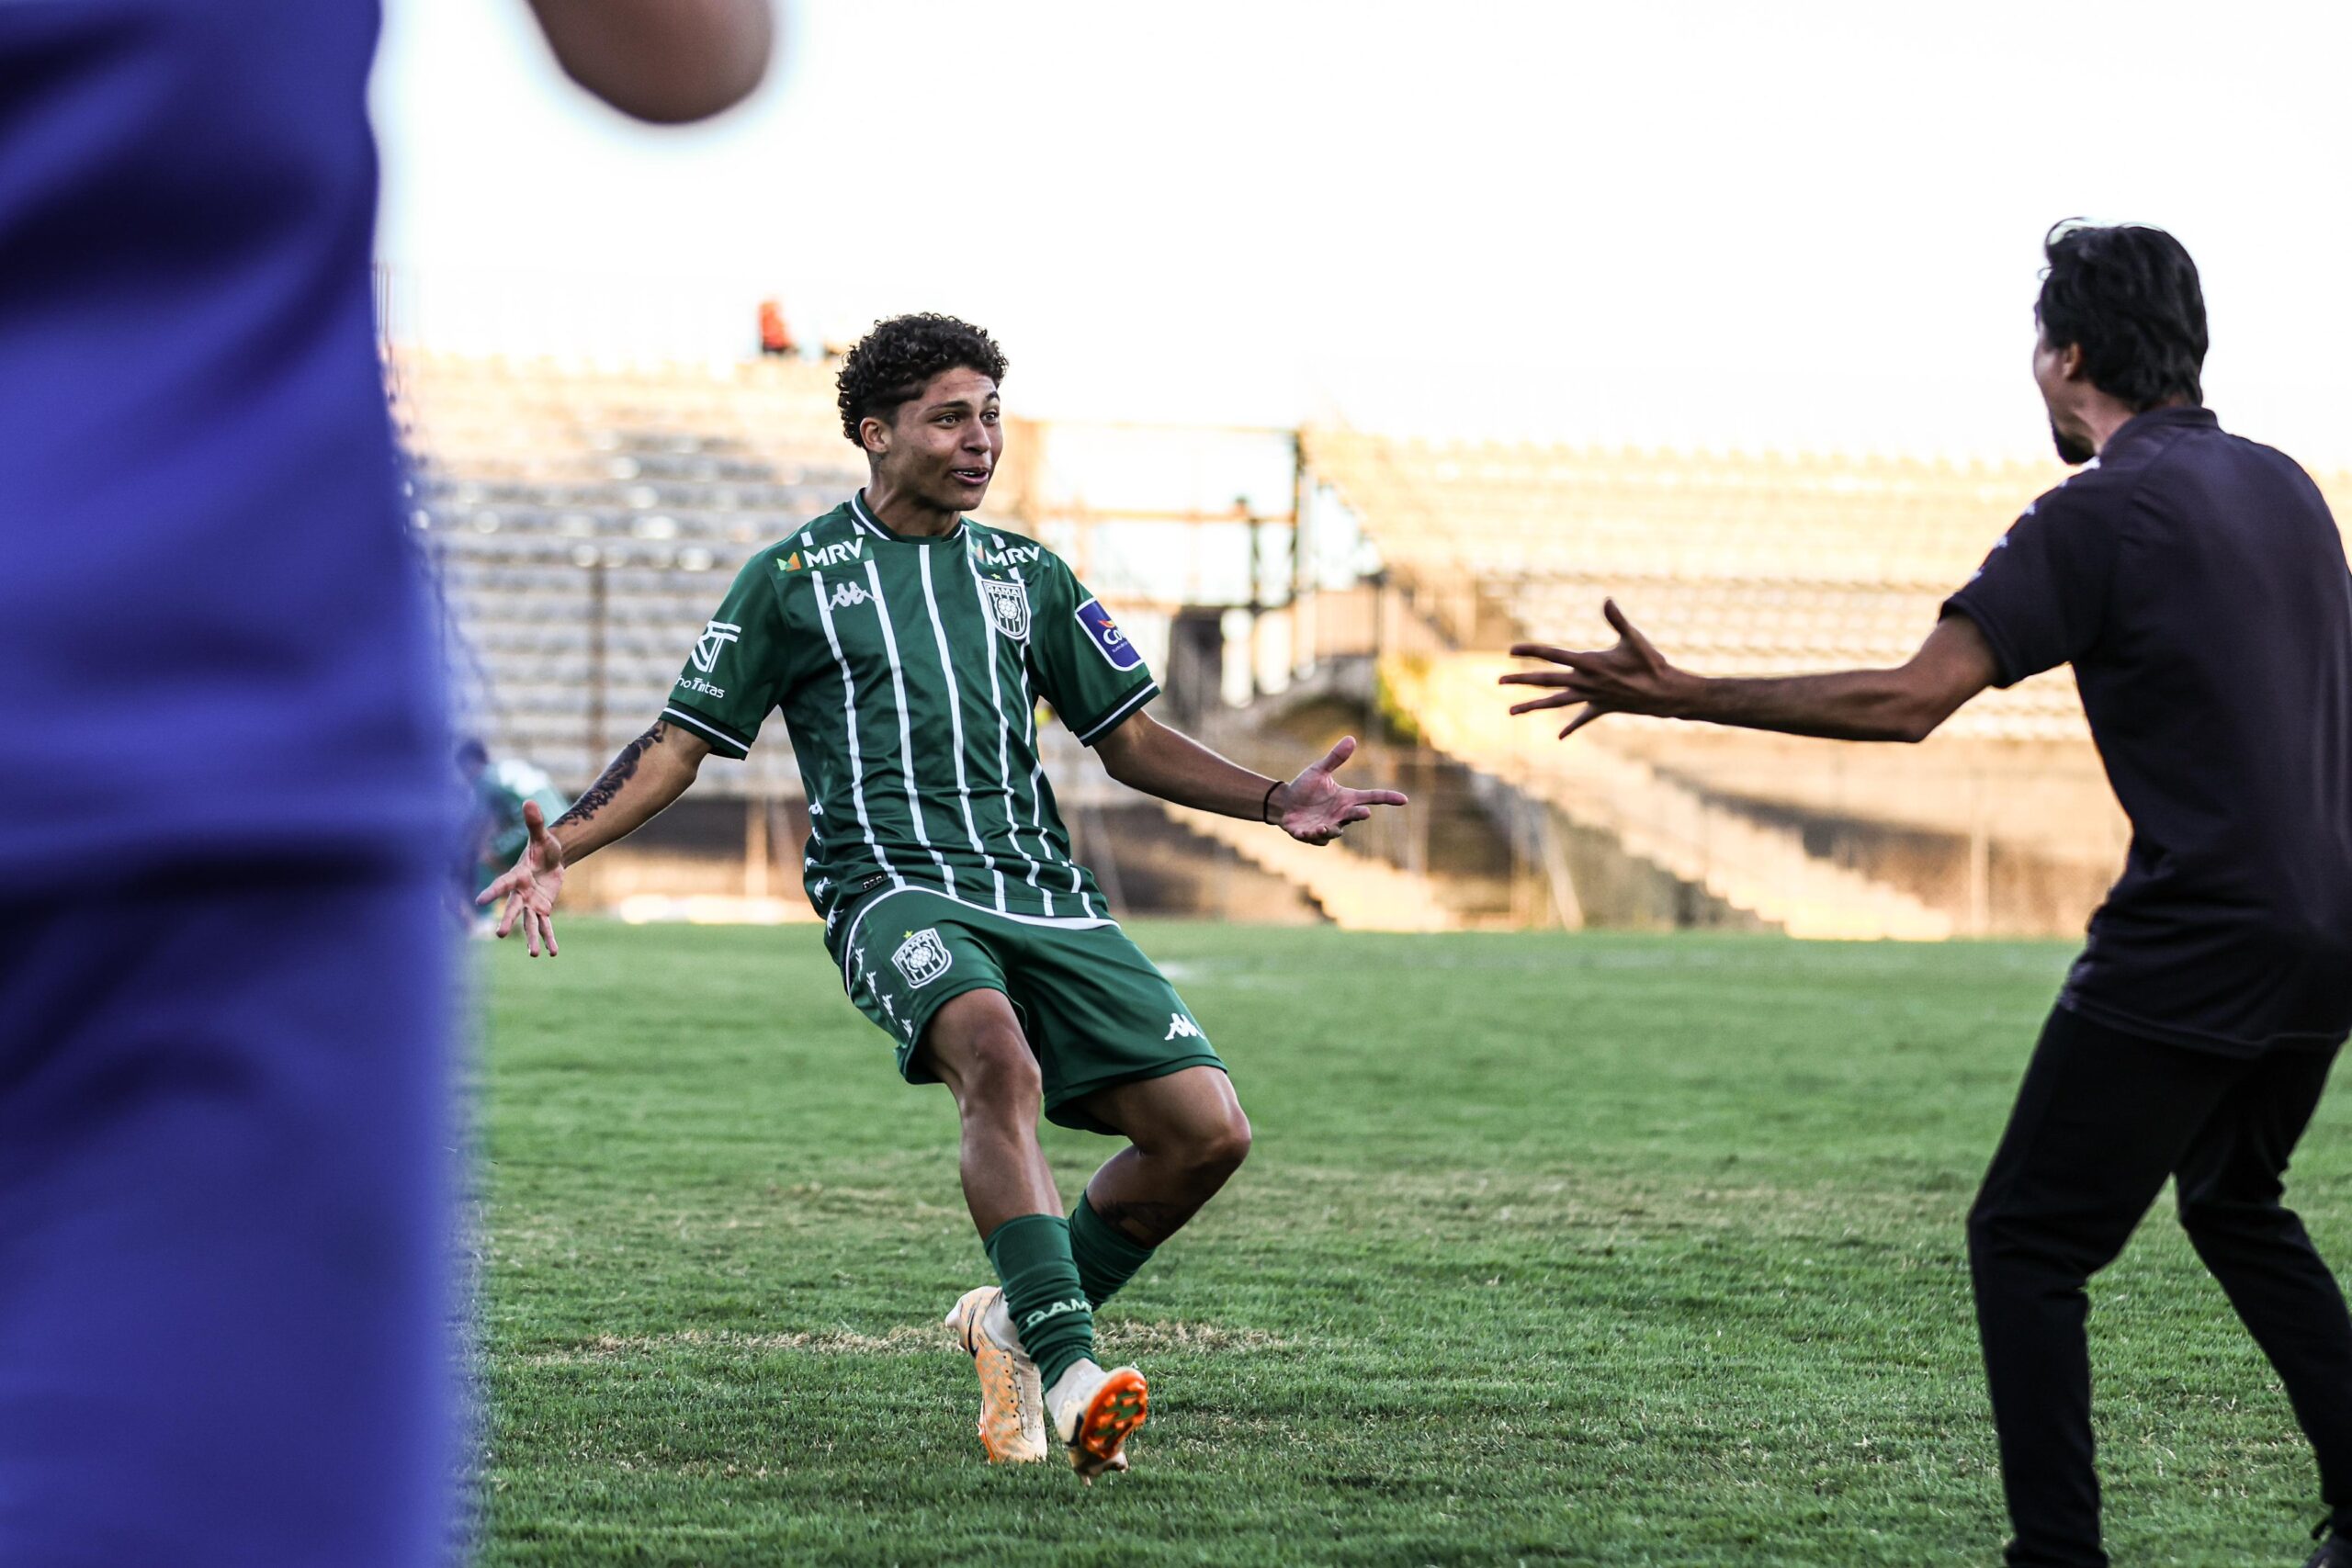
[(1314, 808), (1903, 704), (650, 772)]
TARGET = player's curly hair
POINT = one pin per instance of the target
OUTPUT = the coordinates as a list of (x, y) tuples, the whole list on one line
[(893, 361), (2130, 297)]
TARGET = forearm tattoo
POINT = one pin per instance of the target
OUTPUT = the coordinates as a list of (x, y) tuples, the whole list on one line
[(622, 769)]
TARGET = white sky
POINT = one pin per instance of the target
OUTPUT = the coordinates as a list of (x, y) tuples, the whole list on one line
[(1685, 223)]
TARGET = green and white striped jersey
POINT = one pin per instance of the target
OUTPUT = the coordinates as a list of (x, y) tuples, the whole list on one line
[(909, 671)]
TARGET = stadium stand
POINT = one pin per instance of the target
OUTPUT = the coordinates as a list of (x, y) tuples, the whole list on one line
[(582, 521), (1735, 565), (1764, 869), (583, 518), (1355, 892), (1743, 565)]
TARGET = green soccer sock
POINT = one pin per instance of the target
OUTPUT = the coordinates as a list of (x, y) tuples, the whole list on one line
[(1107, 1256), (1032, 1256)]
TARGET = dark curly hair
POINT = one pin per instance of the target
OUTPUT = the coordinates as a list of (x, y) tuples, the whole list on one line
[(2129, 298), (893, 362)]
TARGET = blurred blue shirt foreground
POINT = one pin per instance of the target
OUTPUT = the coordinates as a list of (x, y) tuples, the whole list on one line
[(212, 637), (225, 1142)]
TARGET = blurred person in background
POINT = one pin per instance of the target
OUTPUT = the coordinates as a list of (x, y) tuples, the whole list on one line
[(776, 338), (224, 998), (2197, 583), (496, 831)]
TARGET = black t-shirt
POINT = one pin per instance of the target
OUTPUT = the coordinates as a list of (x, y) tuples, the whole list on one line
[(2198, 585)]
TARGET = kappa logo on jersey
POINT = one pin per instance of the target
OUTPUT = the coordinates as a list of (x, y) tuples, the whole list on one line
[(1008, 606), (1108, 640), (1182, 1028), (850, 593), (716, 636), (922, 957), (824, 555)]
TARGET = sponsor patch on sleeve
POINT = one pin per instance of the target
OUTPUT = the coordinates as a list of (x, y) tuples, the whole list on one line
[(1108, 640)]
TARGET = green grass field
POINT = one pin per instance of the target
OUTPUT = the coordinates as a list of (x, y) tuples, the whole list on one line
[(1553, 1249)]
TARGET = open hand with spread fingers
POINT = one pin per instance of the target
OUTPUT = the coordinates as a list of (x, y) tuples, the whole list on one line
[(530, 888), (1316, 808), (1632, 677)]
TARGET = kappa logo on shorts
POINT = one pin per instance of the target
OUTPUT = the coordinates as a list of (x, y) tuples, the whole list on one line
[(1181, 1028), (1008, 606), (922, 957)]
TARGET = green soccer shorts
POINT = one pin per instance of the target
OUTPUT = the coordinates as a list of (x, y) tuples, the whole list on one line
[(1096, 1010)]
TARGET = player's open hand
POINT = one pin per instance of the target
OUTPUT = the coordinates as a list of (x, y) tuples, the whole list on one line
[(530, 889), (1632, 677), (1316, 808)]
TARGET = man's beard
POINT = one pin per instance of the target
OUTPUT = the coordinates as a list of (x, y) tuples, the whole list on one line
[(2071, 450)]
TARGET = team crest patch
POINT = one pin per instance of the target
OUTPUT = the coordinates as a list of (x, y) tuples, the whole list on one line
[(1008, 606), (1108, 640), (922, 957)]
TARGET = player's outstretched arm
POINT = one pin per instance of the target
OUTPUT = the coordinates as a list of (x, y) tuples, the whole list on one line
[(664, 60), (1314, 808), (1903, 703), (650, 772)]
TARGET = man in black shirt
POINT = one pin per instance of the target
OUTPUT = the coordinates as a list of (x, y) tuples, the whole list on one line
[(2198, 585)]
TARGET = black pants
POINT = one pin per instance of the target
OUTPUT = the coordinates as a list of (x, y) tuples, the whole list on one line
[(2102, 1119)]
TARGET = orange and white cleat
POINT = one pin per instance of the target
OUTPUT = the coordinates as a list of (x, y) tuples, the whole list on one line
[(1012, 1402), (1097, 1420)]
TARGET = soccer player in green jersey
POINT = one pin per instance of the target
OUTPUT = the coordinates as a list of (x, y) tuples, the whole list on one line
[(907, 647)]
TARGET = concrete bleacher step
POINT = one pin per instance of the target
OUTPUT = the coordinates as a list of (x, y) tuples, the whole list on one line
[(1357, 893), (1763, 869)]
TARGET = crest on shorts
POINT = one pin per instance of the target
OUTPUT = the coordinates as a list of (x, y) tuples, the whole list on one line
[(922, 957), (1008, 605)]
